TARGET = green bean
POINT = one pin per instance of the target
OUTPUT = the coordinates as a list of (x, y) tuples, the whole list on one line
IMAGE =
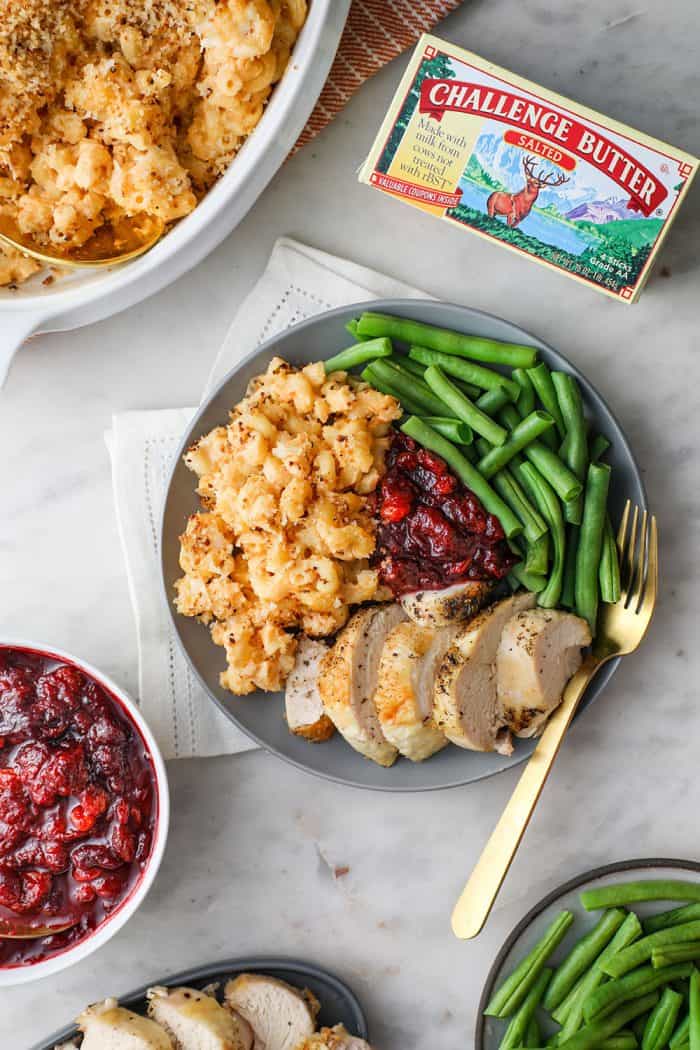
[(413, 388), (641, 981), (447, 341), (509, 489), (609, 568), (592, 1035), (681, 1034), (484, 378), (491, 401), (694, 1031), (563, 481), (462, 407), (533, 1036), (526, 397), (542, 381), (544, 498), (526, 431), (528, 580), (620, 893), (574, 449), (676, 917), (675, 953), (598, 447), (581, 956), (662, 1020), (489, 498), (517, 1029), (639, 952), (621, 1041), (512, 992), (380, 383), (452, 429), (573, 1017), (537, 556), (358, 354), (405, 364), (568, 596), (351, 327), (591, 542)]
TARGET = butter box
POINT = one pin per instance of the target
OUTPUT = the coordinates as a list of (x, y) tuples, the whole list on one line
[(482, 148)]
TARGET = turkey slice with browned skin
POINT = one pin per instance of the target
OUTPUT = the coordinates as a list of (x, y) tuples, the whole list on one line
[(405, 688), (455, 604), (466, 702), (538, 653), (280, 1016), (348, 680), (196, 1021), (302, 699), (109, 1026)]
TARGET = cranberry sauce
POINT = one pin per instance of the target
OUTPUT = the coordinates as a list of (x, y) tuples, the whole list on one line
[(77, 803), (432, 531)]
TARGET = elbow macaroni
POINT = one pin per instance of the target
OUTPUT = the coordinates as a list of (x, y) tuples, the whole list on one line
[(114, 107), (284, 542)]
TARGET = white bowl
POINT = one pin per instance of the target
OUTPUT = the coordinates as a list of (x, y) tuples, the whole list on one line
[(123, 912), (84, 296)]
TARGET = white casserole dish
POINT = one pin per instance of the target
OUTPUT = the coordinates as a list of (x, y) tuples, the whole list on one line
[(84, 296)]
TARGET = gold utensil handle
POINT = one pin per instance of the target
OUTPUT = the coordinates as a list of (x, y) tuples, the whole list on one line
[(477, 897)]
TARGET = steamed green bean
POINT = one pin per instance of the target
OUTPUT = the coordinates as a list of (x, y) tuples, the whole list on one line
[(489, 498), (641, 951), (674, 917), (517, 1029), (541, 379), (516, 986), (524, 433), (447, 341), (460, 405), (484, 378), (544, 498), (609, 568), (359, 354), (590, 544), (452, 429), (581, 957), (621, 893), (574, 449), (662, 1020)]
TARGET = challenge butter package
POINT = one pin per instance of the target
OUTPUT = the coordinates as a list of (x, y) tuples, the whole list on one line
[(484, 149)]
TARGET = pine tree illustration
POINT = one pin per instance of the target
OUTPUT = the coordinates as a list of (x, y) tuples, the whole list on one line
[(430, 67)]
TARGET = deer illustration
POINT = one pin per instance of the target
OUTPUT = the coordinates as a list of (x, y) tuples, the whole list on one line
[(516, 206)]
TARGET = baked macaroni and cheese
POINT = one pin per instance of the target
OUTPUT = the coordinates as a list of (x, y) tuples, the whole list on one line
[(285, 539), (115, 107)]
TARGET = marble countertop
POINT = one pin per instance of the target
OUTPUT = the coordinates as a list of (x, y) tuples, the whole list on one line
[(249, 865)]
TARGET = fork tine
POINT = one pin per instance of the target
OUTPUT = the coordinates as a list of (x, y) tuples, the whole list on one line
[(627, 566), (640, 568), (652, 582), (622, 531)]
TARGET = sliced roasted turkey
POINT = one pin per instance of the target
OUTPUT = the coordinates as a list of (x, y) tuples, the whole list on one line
[(538, 653), (450, 605), (281, 1016), (303, 703), (196, 1021), (466, 702), (336, 1038), (108, 1026), (348, 680), (406, 685)]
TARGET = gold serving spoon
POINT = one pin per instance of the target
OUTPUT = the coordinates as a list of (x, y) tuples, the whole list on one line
[(24, 931), (622, 627), (113, 243)]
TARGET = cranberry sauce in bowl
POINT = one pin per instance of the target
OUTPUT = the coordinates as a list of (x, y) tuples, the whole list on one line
[(433, 532), (78, 803)]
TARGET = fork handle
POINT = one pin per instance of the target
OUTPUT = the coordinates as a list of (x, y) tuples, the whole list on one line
[(477, 897)]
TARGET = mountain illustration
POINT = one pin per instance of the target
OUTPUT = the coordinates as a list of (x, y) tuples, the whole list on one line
[(603, 211)]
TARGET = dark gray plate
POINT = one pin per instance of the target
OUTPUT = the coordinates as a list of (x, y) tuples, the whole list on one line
[(338, 1002), (260, 715), (489, 1030)]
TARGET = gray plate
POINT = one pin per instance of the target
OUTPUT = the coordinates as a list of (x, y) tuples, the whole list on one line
[(260, 715), (338, 1002), (489, 1030)]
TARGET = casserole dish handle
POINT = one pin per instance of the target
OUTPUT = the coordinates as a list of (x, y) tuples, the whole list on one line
[(15, 327)]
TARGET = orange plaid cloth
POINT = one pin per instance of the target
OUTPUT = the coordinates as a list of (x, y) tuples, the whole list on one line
[(376, 31)]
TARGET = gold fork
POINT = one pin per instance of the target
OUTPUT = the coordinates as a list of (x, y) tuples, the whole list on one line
[(622, 627)]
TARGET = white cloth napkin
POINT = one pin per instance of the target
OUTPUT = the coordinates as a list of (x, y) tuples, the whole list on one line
[(298, 282)]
